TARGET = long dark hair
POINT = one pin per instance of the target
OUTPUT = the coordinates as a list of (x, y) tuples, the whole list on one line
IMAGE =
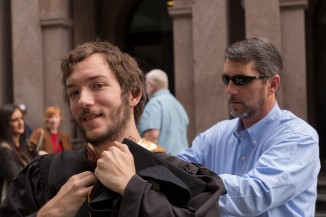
[(25, 150)]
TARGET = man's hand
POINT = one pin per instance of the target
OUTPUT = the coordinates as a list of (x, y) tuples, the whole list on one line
[(70, 197), (116, 167), (152, 135)]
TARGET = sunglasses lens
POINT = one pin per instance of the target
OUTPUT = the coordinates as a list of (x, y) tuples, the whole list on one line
[(226, 79), (241, 80)]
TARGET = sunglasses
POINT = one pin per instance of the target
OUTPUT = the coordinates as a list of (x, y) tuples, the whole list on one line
[(241, 80)]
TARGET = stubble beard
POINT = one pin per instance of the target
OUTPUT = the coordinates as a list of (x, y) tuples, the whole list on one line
[(118, 123), (249, 110)]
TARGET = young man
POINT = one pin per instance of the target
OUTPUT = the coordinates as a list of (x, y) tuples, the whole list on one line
[(164, 120), (268, 158), (105, 89)]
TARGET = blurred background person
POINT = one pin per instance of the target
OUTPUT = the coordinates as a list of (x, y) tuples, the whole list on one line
[(164, 120), (28, 129), (50, 139), (15, 152)]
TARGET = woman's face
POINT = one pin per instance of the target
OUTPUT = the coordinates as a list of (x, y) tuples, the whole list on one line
[(17, 123), (53, 121)]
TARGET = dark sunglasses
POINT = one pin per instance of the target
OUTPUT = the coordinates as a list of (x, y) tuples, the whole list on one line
[(241, 80)]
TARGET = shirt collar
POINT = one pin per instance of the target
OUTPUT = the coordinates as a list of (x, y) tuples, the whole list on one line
[(160, 92), (145, 143), (259, 129)]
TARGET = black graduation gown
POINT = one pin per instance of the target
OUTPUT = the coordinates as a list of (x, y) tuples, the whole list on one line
[(157, 189)]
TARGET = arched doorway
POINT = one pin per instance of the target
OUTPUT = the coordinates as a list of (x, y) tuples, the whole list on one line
[(149, 37), (316, 71), (320, 73)]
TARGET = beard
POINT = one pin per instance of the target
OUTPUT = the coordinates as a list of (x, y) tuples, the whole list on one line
[(118, 122), (249, 110)]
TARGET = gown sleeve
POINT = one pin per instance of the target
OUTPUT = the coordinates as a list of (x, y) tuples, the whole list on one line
[(27, 192), (9, 166)]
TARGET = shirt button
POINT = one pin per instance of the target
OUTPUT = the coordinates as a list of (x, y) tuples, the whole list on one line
[(254, 142), (243, 158)]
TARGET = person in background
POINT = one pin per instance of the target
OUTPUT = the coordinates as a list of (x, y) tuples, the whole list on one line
[(50, 138), (28, 129), (15, 152), (164, 120), (268, 158), (118, 173)]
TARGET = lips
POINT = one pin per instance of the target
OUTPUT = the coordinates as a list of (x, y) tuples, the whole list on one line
[(233, 100), (91, 116)]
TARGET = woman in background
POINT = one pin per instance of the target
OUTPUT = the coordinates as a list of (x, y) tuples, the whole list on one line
[(15, 152), (50, 139)]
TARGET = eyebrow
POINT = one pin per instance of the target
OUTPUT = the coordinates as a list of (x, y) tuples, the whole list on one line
[(88, 79)]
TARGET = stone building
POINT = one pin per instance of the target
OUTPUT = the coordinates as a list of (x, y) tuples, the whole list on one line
[(187, 40)]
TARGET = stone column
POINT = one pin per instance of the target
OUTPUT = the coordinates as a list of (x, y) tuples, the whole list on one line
[(200, 37), (293, 50), (262, 18), (209, 42), (56, 23), (5, 53), (27, 59), (181, 14)]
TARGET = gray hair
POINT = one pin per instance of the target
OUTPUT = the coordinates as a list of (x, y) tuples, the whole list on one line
[(266, 57), (159, 77)]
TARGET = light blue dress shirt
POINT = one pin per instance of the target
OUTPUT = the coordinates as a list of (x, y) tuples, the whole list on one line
[(269, 169), (165, 113)]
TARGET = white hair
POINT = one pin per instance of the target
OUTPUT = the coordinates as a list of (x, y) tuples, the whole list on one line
[(159, 77)]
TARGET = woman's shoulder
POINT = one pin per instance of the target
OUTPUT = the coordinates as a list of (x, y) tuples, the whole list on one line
[(5, 145)]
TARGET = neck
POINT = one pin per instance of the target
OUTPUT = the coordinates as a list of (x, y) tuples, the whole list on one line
[(130, 133), (53, 131), (257, 117), (16, 139)]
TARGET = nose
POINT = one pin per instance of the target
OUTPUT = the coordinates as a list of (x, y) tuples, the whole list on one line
[(85, 98), (231, 89), (21, 121)]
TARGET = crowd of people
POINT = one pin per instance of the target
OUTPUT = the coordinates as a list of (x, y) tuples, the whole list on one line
[(19, 145), (264, 161)]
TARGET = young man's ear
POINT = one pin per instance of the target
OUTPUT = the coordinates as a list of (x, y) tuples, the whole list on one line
[(135, 97)]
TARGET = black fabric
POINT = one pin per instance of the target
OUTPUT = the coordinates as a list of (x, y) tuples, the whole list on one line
[(176, 184), (145, 159), (42, 179)]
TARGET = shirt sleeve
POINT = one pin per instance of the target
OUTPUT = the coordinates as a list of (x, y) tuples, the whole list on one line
[(26, 192), (151, 117), (280, 174)]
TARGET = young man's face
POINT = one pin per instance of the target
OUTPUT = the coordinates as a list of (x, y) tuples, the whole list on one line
[(96, 102), (248, 100)]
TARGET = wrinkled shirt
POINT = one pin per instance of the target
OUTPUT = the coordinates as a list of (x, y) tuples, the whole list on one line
[(269, 169)]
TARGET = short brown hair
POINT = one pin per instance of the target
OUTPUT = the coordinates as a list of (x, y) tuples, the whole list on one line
[(122, 65), (264, 54)]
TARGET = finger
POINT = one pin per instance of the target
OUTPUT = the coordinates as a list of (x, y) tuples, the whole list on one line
[(89, 180), (85, 179), (121, 146), (84, 174)]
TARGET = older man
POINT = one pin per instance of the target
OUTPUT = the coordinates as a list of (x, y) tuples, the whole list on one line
[(164, 120)]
